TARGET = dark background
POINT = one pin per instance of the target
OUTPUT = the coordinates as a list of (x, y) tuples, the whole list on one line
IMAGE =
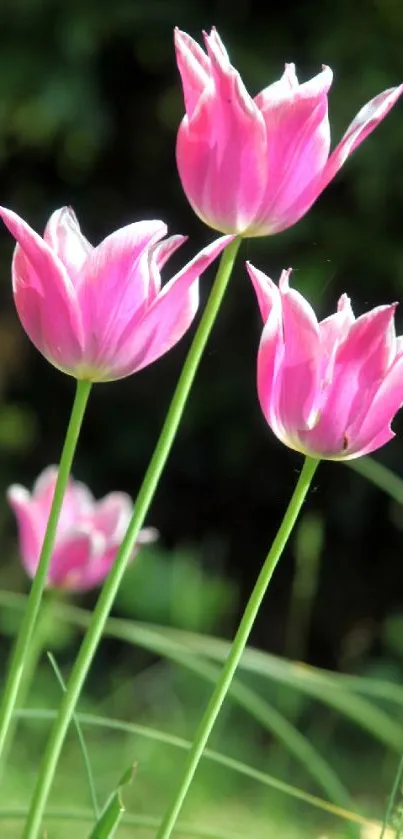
[(90, 101)]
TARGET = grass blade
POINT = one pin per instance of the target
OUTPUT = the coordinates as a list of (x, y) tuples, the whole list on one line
[(209, 754), (84, 750), (111, 815)]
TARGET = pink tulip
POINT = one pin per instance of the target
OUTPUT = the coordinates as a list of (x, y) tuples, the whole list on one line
[(328, 389), (100, 313), (255, 166), (89, 532)]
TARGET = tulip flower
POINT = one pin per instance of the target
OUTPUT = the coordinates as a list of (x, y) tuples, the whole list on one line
[(88, 536), (100, 313), (328, 389), (254, 167)]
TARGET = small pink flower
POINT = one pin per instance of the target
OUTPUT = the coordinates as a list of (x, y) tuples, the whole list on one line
[(255, 166), (89, 532), (100, 313), (328, 389)]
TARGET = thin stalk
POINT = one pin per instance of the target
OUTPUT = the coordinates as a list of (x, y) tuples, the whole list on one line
[(39, 640), (24, 639), (143, 501), (238, 646)]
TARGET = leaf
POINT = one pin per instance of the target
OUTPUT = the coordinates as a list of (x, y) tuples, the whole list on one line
[(112, 813), (80, 736), (209, 754)]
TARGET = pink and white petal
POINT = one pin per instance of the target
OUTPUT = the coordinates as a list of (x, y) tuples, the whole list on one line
[(269, 366), (96, 572), (221, 151), (112, 515), (184, 278), (77, 506), (266, 290), (300, 393), (116, 282), (362, 125), (44, 486), (359, 367), (335, 328), (384, 436), (40, 261), (333, 331), (298, 142), (370, 346), (194, 68), (159, 255), (31, 527), (280, 91), (53, 329), (147, 536), (287, 90), (78, 501), (214, 43), (83, 499), (386, 402), (44, 295), (169, 316), (64, 237), (72, 557)]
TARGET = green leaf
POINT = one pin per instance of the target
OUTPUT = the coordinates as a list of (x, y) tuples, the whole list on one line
[(112, 813)]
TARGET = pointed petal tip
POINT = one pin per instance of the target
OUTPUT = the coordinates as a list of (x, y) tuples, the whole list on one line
[(284, 281), (17, 494)]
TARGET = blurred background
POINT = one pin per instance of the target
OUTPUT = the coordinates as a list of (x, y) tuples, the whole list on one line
[(90, 101)]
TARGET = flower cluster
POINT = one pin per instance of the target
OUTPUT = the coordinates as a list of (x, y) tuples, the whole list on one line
[(249, 167)]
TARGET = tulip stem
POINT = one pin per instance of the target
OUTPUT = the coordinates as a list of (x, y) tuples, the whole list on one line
[(39, 639), (141, 506), (238, 645), (24, 639)]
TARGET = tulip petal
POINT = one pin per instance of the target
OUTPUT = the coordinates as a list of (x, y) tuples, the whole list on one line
[(159, 255), (333, 331), (269, 362), (170, 314), (298, 403), (73, 557), (298, 142), (112, 515), (364, 123), (64, 237), (360, 365), (221, 148), (194, 67), (383, 407), (31, 527), (44, 295), (280, 91), (265, 289), (115, 290)]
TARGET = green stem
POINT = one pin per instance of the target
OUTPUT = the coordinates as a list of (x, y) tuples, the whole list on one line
[(221, 689), (40, 635), (143, 501), (24, 639)]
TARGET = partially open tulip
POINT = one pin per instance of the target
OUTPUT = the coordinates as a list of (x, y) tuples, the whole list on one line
[(100, 313), (89, 532), (255, 166), (328, 389)]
